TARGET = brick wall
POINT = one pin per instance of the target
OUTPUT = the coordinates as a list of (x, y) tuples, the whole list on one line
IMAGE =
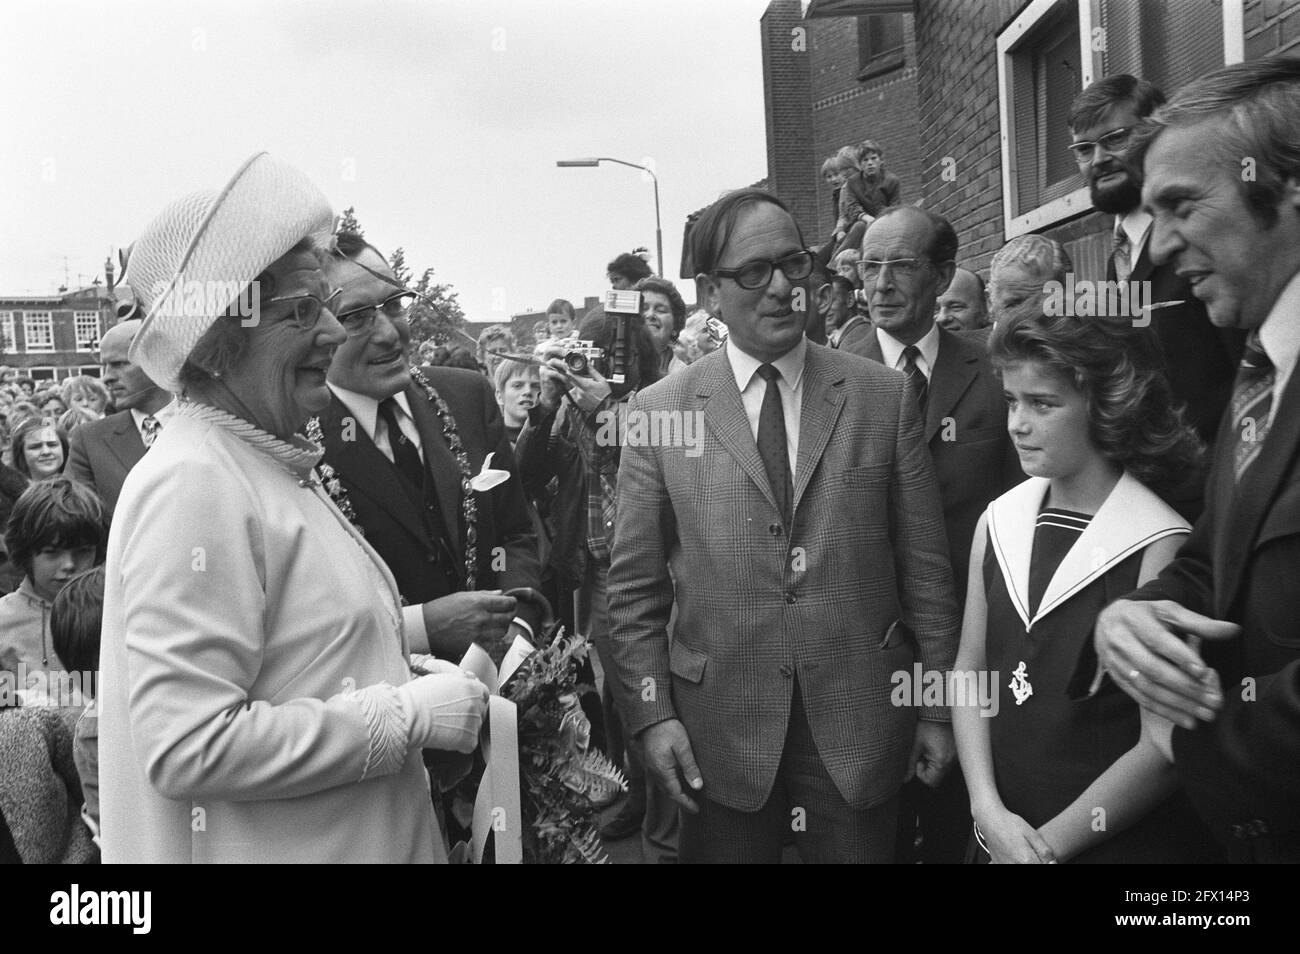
[(846, 110), (1272, 26), (789, 120)]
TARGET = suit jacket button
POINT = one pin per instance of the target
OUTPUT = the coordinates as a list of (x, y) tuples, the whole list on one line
[(789, 598), (1238, 831), (774, 529), (787, 671)]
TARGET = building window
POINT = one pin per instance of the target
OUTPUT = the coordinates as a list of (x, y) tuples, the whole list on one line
[(1051, 51), (880, 44), (38, 330), (8, 343), (87, 325)]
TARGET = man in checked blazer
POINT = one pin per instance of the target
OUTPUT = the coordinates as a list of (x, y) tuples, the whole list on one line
[(800, 592)]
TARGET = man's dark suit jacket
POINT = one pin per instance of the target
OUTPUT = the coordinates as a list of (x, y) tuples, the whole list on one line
[(102, 453), (857, 337), (392, 520), (1240, 563), (1200, 359), (966, 431)]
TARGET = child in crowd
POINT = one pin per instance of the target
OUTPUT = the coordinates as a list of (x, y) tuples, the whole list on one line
[(1059, 770), (560, 319), (517, 385), (866, 193), (57, 529), (74, 626)]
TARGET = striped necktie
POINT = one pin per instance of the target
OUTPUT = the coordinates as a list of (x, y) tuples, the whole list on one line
[(920, 386), (1119, 254), (149, 429), (1252, 402)]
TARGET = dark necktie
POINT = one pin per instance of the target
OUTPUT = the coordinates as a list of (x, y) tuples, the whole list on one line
[(1119, 254), (405, 456), (772, 441), (1252, 402), (920, 386)]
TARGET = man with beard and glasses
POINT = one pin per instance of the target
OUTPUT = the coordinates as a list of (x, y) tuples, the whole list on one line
[(1200, 360)]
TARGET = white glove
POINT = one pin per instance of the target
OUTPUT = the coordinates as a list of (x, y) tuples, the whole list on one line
[(444, 711)]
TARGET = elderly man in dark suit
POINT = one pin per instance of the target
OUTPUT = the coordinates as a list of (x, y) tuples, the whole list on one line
[(406, 445), (101, 453), (802, 540), (1236, 241), (907, 262)]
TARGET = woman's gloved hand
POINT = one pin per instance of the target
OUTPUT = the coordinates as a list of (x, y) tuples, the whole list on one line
[(444, 710)]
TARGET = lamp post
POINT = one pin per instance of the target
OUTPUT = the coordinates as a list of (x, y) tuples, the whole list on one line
[(595, 161)]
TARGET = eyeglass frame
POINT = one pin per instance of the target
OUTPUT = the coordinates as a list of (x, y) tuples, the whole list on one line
[(908, 272), (343, 317), (324, 304), (772, 264), (1092, 145)]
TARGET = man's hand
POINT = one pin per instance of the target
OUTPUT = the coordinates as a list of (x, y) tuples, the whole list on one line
[(588, 390), (455, 621), (932, 753), (1138, 643), (668, 747)]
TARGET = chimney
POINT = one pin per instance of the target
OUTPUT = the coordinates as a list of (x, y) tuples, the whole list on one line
[(108, 273)]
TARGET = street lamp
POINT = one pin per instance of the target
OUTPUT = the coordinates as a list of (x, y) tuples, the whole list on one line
[(595, 161)]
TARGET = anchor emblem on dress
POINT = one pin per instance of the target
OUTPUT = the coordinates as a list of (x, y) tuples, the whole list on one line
[(1019, 685)]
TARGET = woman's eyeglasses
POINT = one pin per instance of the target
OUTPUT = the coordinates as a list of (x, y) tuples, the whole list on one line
[(756, 274), (306, 308), (1113, 142), (358, 321)]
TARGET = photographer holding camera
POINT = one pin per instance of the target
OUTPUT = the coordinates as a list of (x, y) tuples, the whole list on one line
[(568, 454)]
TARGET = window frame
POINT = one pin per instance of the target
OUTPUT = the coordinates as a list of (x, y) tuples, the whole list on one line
[(8, 333), (28, 317), (887, 61), (87, 346)]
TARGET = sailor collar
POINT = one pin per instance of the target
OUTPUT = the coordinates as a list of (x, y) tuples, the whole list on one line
[(1131, 518)]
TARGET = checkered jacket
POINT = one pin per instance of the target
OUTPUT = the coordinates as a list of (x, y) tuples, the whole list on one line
[(858, 588)]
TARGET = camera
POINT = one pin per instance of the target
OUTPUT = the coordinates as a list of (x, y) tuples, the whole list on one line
[(578, 355)]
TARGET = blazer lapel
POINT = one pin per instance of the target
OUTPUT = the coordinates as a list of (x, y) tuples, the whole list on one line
[(125, 443), (1248, 503), (822, 403), (954, 369), (360, 463), (724, 414), (440, 464)]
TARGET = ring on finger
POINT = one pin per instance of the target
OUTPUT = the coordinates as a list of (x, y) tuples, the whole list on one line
[(1134, 675)]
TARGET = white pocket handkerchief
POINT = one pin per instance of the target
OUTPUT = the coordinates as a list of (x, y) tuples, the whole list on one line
[(487, 477)]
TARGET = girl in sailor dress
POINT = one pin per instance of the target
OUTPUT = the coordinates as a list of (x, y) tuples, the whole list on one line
[(1059, 764)]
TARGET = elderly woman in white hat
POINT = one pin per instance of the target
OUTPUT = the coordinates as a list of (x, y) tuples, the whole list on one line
[(256, 702)]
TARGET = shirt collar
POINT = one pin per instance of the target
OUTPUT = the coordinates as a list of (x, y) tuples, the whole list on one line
[(366, 408), (162, 415), (891, 349), (745, 366), (1279, 335), (1135, 225)]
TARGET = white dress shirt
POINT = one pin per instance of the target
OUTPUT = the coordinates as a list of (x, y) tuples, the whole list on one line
[(366, 410), (891, 350), (1279, 336), (752, 389), (1137, 226), (161, 415)]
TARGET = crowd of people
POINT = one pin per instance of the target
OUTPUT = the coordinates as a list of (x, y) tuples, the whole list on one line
[(928, 570)]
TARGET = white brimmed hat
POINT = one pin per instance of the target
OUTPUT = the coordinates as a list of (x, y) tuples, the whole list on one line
[(205, 248)]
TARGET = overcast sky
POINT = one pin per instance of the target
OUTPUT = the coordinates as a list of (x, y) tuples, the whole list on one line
[(440, 120)]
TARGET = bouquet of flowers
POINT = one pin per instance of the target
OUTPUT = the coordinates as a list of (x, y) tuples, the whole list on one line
[(559, 773)]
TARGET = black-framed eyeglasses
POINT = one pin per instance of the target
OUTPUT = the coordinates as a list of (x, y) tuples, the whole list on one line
[(869, 269), (306, 308), (1114, 141), (358, 321), (757, 273)]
